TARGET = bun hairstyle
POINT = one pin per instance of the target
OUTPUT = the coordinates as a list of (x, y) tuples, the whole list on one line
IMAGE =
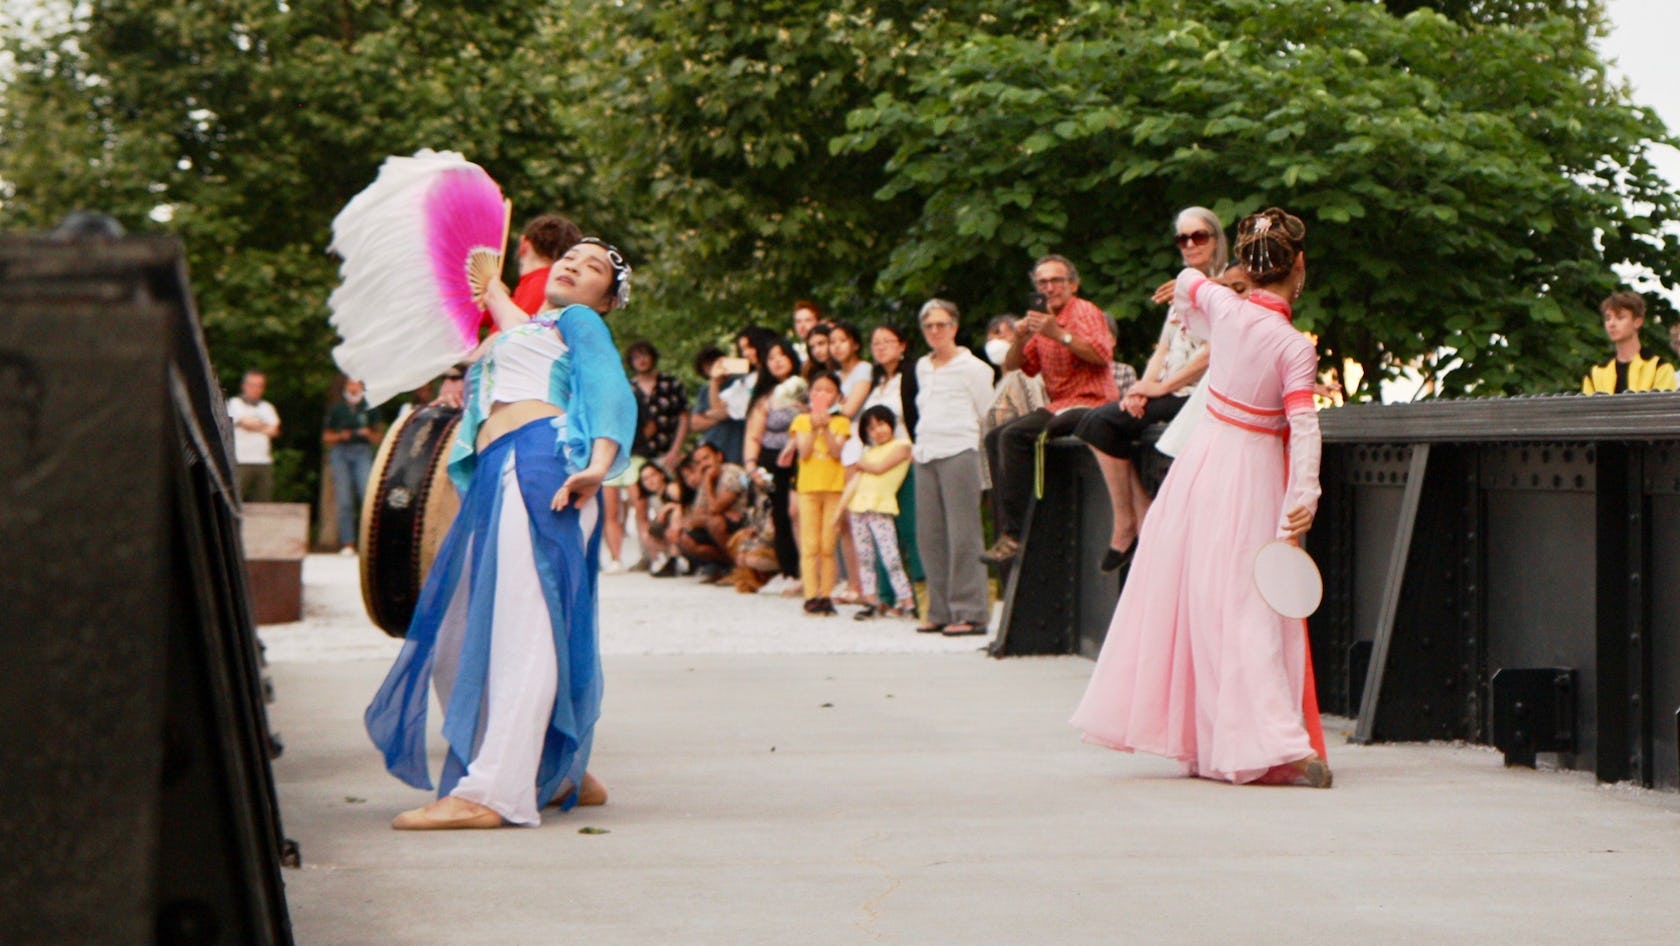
[(1267, 243)]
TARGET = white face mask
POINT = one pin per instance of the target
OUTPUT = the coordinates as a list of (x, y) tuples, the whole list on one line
[(996, 350)]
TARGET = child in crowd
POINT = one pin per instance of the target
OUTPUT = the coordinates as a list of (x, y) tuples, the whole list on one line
[(819, 435), (874, 508), (652, 484)]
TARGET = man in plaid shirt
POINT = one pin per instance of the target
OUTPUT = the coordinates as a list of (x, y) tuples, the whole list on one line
[(1072, 347)]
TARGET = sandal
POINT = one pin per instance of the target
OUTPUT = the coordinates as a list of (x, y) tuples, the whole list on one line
[(1004, 549), (962, 629), (868, 613), (929, 628)]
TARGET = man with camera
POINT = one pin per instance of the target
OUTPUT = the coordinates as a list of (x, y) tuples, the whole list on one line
[(1068, 342)]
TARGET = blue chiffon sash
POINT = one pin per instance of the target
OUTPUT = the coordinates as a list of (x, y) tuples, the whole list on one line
[(567, 565)]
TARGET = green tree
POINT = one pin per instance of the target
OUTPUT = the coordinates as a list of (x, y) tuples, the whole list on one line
[(1467, 185), (244, 126), (716, 124)]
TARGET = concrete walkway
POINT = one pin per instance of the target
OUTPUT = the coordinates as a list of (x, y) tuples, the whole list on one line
[(778, 779)]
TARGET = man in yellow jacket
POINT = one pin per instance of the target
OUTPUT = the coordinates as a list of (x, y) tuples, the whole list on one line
[(1633, 368)]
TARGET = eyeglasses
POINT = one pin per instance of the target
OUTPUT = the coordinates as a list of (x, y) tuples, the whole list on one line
[(1199, 238), (1052, 281), (939, 325)]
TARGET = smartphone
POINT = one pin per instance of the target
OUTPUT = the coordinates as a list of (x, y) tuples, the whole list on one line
[(733, 365), (1037, 303)]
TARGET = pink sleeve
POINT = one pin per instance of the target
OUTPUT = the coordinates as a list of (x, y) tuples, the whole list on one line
[(1200, 302), (1297, 368)]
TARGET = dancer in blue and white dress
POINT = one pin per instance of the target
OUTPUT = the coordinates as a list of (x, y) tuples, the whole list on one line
[(505, 627)]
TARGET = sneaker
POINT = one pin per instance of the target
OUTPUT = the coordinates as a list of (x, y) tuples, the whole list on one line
[(667, 570), (612, 566), (776, 585), (347, 551), (1004, 549)]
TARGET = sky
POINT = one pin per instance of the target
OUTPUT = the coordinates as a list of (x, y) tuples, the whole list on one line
[(1640, 49), (1641, 42)]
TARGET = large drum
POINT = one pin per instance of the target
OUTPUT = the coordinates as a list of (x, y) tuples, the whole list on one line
[(408, 510)]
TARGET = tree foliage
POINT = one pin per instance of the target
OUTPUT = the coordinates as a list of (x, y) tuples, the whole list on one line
[(1465, 185), (244, 126), (1468, 176)]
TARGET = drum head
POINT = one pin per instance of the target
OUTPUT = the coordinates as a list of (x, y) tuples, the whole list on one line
[(1288, 579), (409, 507)]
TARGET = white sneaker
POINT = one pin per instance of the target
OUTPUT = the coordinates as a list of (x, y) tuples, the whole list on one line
[(658, 562), (347, 551), (612, 566), (776, 585)]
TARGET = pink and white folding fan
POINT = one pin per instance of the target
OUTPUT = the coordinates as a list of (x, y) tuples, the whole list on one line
[(419, 245)]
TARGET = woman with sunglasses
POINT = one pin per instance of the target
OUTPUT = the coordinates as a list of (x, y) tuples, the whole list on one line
[(505, 626), (1179, 360), (1196, 666)]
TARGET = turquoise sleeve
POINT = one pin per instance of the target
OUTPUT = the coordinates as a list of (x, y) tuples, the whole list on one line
[(598, 400)]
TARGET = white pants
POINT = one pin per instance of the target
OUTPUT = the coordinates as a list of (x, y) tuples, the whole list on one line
[(523, 675)]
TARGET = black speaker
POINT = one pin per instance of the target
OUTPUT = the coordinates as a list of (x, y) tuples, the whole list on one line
[(1533, 711), (139, 801)]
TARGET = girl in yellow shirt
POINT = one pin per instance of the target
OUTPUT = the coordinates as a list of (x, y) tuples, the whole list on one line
[(874, 507), (819, 435)]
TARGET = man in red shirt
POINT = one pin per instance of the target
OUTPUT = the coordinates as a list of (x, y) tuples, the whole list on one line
[(546, 239), (1072, 347)]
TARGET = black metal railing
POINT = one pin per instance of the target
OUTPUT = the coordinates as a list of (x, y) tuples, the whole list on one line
[(1457, 539)]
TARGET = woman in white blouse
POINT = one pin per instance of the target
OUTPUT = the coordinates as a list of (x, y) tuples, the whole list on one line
[(954, 388)]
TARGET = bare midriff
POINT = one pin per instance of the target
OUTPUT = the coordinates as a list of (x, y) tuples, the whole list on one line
[(506, 417)]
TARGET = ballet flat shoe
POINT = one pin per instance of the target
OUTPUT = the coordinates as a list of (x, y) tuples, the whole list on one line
[(447, 813), (1315, 772), (592, 792)]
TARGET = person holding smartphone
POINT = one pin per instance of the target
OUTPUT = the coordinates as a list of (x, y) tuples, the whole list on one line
[(1068, 341)]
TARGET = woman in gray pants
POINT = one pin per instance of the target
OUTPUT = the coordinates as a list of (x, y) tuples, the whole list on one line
[(954, 388)]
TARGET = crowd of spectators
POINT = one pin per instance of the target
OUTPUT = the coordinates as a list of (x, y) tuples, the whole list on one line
[(836, 464), (833, 464)]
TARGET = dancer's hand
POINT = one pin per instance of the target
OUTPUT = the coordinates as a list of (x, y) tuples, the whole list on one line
[(579, 488), (1296, 523)]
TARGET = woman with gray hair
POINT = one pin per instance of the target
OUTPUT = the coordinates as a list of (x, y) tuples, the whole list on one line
[(1179, 361), (954, 388)]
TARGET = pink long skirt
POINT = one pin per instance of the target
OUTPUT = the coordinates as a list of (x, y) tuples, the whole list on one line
[(1196, 667)]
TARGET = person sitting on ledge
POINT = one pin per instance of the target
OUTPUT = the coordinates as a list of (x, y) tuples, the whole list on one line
[(1634, 368)]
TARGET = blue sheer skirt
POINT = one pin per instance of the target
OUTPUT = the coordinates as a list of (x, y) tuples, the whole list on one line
[(455, 623)]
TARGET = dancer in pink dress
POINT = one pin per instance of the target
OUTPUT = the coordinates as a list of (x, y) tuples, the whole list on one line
[(1196, 666)]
